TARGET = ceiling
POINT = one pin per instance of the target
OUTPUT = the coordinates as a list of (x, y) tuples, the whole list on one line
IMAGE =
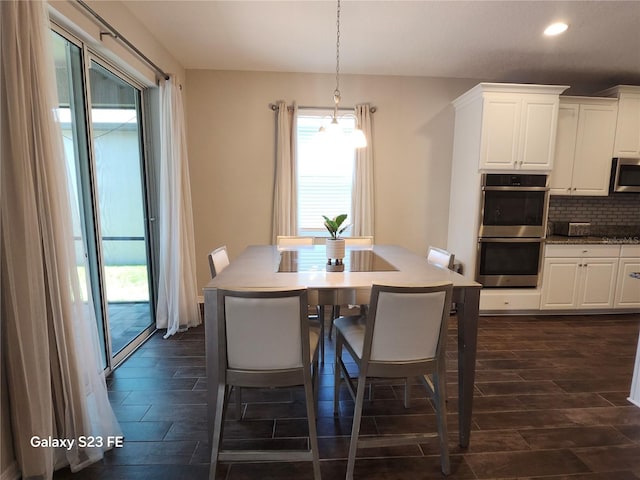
[(487, 40)]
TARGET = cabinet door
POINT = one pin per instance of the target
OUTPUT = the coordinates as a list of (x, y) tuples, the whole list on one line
[(627, 143), (560, 283), (538, 132), (560, 178), (500, 132), (594, 147), (598, 282), (628, 284)]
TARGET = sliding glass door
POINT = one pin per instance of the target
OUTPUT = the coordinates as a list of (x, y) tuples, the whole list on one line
[(117, 148), (100, 115)]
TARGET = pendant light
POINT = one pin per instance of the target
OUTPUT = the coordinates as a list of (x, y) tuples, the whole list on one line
[(334, 132)]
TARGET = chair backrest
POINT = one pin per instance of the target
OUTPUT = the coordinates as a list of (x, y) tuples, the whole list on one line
[(441, 258), (264, 329), (289, 241), (218, 260), (366, 241), (407, 323)]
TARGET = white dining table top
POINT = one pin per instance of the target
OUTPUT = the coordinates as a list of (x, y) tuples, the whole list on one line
[(257, 267)]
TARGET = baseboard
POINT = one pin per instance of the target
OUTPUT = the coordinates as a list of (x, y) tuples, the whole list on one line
[(11, 472), (542, 313)]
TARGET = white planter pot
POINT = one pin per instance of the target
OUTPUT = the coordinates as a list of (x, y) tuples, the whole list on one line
[(335, 249)]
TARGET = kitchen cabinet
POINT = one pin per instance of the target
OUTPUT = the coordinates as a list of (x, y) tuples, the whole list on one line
[(579, 276), (627, 137), (628, 282), (509, 299), (493, 122), (518, 131), (509, 127), (584, 145)]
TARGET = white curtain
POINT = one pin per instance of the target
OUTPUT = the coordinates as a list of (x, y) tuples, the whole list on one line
[(50, 345), (285, 197), (362, 202), (177, 307)]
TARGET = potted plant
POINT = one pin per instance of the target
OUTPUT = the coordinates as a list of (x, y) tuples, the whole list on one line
[(335, 244)]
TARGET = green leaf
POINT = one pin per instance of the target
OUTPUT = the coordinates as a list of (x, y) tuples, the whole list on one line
[(340, 218), (333, 224)]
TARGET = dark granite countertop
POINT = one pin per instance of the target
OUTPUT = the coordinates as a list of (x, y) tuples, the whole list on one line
[(601, 235), (594, 240)]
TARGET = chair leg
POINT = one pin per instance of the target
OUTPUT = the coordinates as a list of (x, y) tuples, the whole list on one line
[(320, 310), (315, 382), (337, 376), (355, 429), (407, 392), (238, 401), (313, 434), (441, 415), (217, 430), (335, 313)]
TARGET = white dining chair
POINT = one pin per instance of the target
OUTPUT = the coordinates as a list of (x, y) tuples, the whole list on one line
[(218, 260), (293, 241), (440, 257), (364, 241), (266, 342), (403, 335)]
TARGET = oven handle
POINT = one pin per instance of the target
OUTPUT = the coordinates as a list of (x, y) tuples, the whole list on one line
[(511, 240), (515, 189)]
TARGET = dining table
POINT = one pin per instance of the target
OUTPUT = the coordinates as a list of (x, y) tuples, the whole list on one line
[(272, 267)]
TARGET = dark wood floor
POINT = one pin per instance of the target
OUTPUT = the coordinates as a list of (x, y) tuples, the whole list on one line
[(550, 403)]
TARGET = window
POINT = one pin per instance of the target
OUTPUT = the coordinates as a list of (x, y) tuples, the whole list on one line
[(325, 174)]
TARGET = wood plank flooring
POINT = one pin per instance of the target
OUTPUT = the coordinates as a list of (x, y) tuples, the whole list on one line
[(550, 403)]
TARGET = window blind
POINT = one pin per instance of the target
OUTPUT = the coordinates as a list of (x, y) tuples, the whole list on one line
[(324, 172)]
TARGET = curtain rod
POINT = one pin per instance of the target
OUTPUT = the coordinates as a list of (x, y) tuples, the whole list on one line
[(274, 107), (118, 36)]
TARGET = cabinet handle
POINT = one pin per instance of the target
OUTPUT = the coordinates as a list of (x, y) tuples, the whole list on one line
[(585, 251), (574, 189)]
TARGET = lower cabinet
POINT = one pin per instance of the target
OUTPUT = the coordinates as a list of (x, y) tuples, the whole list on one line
[(576, 277), (509, 299), (628, 282), (579, 277)]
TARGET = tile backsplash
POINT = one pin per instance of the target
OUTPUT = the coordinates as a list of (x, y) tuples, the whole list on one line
[(614, 210)]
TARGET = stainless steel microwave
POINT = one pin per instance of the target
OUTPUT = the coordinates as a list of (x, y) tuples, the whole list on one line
[(625, 175)]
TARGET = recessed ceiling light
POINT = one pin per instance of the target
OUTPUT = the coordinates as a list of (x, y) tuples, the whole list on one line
[(556, 29)]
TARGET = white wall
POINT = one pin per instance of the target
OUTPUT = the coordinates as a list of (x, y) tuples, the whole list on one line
[(231, 141)]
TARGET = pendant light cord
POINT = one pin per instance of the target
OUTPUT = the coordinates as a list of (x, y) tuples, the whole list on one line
[(336, 92)]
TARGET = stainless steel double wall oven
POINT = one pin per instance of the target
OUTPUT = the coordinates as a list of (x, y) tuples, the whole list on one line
[(512, 229)]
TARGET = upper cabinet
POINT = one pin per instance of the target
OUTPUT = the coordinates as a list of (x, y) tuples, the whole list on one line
[(584, 145), (518, 131), (516, 123), (627, 138)]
